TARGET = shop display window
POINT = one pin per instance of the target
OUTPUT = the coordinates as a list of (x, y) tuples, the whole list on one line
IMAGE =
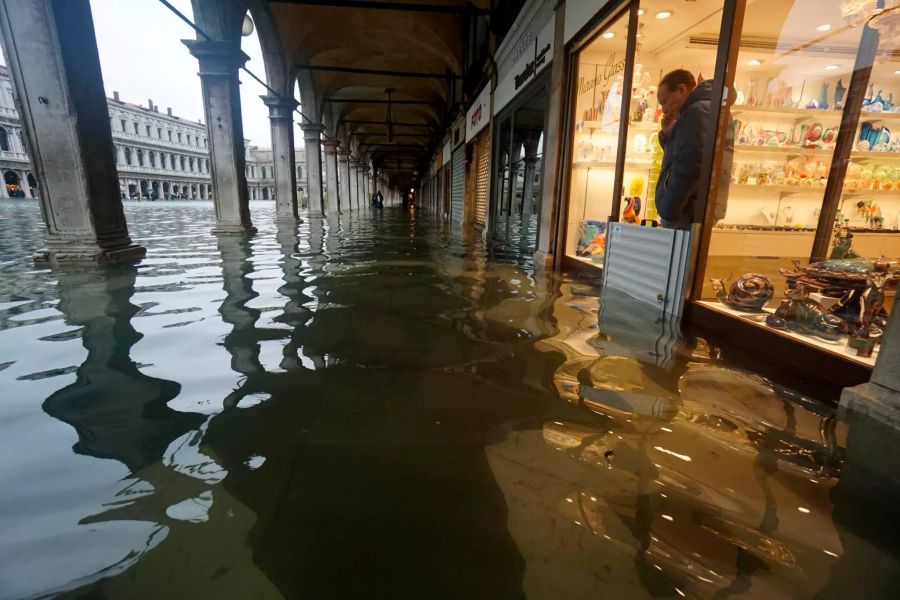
[(665, 40), (805, 223), (597, 118)]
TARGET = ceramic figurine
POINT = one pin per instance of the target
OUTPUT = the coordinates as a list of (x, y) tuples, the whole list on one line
[(839, 91), (877, 104), (867, 99), (801, 314), (842, 242), (860, 307), (823, 97), (749, 293)]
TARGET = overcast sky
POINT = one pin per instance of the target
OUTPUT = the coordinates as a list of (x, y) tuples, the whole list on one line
[(142, 57)]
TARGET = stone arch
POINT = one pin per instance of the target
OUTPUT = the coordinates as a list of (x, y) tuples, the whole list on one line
[(32, 183), (140, 157), (181, 162), (145, 187), (265, 193), (166, 189), (13, 184), (4, 140), (128, 156), (193, 191)]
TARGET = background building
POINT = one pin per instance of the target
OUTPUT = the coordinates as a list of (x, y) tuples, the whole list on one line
[(158, 155)]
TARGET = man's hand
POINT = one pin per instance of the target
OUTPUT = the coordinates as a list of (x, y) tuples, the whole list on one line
[(666, 122)]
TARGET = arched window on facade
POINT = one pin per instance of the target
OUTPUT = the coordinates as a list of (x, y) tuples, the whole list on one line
[(265, 193), (4, 140), (262, 171), (169, 131), (191, 164), (206, 164), (140, 157), (253, 172), (299, 172), (152, 156), (172, 161), (128, 156), (181, 159)]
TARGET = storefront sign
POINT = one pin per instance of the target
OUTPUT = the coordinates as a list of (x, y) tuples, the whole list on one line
[(578, 14), (602, 74), (479, 114), (527, 66)]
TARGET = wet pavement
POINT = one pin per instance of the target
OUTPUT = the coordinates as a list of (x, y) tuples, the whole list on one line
[(368, 406)]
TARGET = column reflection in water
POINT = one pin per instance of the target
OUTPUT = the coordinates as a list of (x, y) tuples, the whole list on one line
[(120, 414)]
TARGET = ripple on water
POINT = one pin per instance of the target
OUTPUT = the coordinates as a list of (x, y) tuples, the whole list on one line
[(250, 417)]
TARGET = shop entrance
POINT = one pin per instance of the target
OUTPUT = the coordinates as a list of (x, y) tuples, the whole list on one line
[(519, 158)]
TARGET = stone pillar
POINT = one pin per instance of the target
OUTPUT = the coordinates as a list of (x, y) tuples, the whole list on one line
[(361, 201), (219, 64), (344, 167), (311, 136), (331, 203), (51, 52), (879, 399), (281, 117)]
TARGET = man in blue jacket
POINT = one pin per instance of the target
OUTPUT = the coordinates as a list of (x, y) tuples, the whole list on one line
[(685, 126)]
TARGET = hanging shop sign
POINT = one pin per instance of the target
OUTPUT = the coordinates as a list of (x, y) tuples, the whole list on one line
[(527, 66), (479, 114)]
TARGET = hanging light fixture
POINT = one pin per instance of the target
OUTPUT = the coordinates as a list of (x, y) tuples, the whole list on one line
[(388, 117)]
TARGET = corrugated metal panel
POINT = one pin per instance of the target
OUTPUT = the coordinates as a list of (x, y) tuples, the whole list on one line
[(457, 185), (483, 157), (648, 263)]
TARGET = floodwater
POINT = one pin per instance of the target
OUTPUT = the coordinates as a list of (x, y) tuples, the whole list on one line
[(370, 407)]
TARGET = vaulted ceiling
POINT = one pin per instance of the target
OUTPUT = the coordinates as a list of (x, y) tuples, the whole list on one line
[(348, 53)]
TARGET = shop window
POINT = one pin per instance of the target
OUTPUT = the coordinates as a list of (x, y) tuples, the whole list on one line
[(795, 199), (597, 112)]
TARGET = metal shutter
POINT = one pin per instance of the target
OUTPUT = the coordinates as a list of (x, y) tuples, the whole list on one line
[(648, 263), (457, 185), (483, 158)]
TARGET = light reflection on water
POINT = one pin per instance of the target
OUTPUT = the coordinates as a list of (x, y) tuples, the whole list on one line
[(369, 405)]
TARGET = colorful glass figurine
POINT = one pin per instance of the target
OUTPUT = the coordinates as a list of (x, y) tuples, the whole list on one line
[(749, 293), (839, 91), (632, 210), (823, 97)]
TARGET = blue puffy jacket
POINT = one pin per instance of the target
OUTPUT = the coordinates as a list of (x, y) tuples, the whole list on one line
[(679, 176)]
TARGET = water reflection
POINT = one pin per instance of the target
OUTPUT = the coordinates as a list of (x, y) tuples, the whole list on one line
[(368, 405)]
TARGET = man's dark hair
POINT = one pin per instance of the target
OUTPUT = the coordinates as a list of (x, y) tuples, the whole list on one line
[(673, 79)]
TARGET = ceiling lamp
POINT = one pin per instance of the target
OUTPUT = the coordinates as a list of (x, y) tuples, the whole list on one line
[(609, 35), (824, 27), (832, 67), (247, 26), (664, 14), (754, 61)]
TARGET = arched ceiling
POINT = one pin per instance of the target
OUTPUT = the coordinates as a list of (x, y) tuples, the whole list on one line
[(352, 51)]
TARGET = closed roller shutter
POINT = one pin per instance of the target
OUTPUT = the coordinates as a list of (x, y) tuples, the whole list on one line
[(483, 163), (457, 185)]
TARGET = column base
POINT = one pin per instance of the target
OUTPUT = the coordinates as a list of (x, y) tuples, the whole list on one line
[(90, 254), (288, 219), (875, 401), (543, 261), (225, 229)]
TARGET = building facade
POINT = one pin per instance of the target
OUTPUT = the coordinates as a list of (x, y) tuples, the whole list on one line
[(159, 156)]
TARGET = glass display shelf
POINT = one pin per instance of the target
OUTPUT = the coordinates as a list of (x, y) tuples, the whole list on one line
[(614, 126), (814, 189), (803, 113), (609, 164)]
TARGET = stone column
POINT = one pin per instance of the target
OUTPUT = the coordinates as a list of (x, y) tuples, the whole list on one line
[(51, 52), (219, 64), (352, 183), (344, 167), (312, 133), (879, 399), (331, 203), (361, 202), (281, 117)]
